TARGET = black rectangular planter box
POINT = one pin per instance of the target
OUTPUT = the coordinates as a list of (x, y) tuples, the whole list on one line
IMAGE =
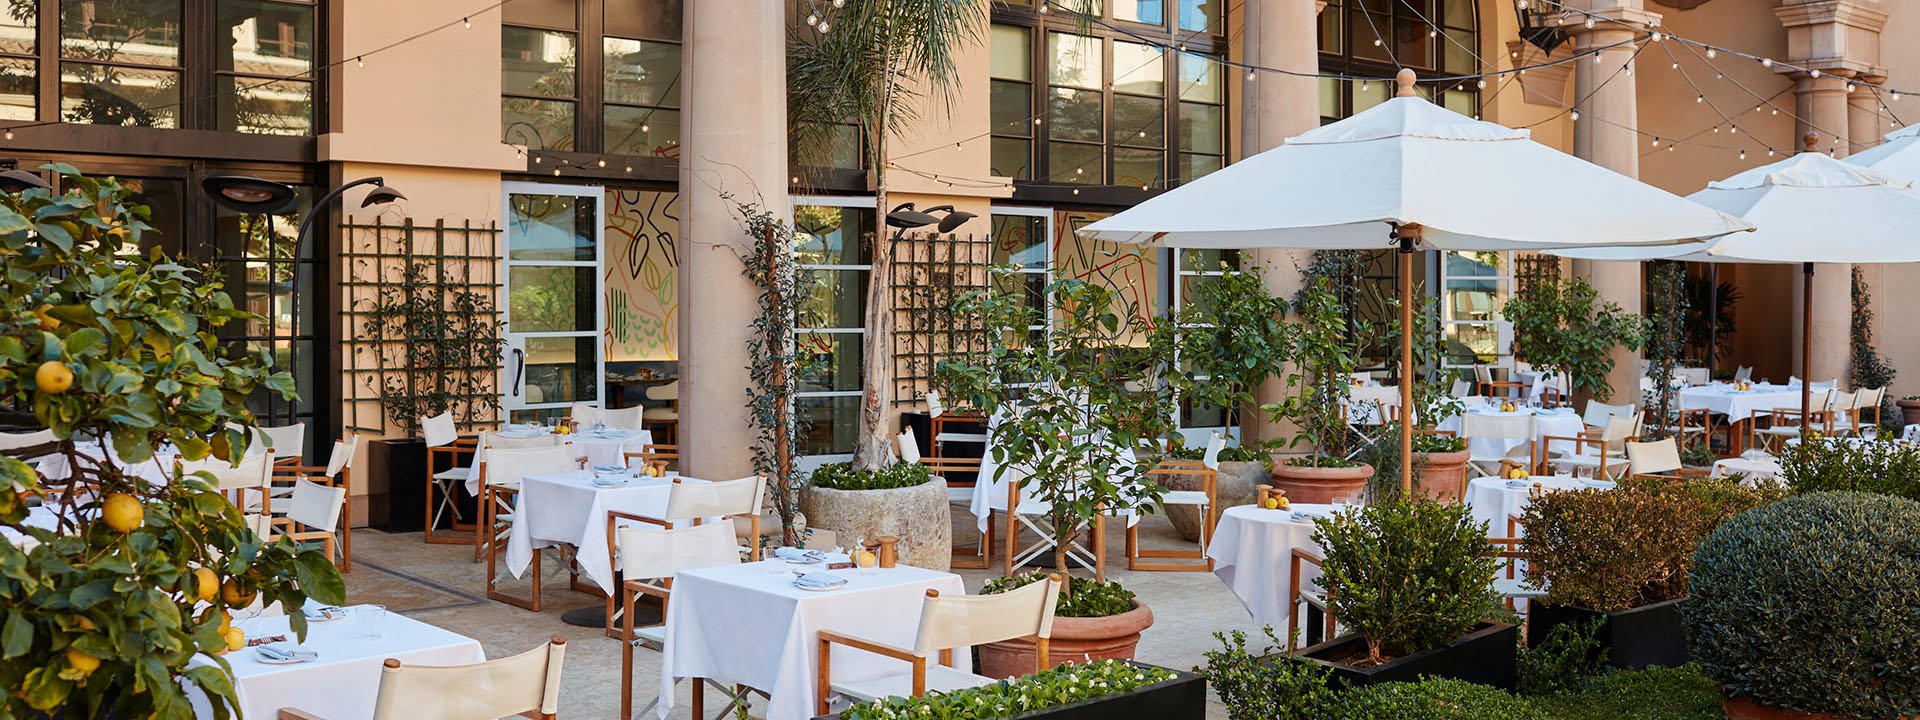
[(1634, 638), (1485, 656), (396, 496), (1182, 698)]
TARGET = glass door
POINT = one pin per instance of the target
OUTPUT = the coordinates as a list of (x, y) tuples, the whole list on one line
[(554, 317)]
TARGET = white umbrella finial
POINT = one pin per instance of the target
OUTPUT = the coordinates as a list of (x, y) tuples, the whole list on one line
[(1405, 79)]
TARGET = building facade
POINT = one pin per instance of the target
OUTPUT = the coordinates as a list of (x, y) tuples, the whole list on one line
[(579, 162)]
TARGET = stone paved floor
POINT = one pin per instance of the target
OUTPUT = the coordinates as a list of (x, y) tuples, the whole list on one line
[(439, 584)]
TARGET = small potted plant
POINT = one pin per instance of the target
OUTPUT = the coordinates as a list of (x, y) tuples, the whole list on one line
[(903, 500), (1620, 557), (1909, 409), (1439, 459), (1097, 690), (1322, 371), (1806, 608), (1100, 620), (1410, 579)]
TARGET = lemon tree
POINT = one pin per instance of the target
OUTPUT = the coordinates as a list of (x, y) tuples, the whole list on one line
[(102, 338)]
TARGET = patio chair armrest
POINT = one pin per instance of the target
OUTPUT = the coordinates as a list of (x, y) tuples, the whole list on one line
[(829, 637), (615, 515), (1578, 442), (297, 714)]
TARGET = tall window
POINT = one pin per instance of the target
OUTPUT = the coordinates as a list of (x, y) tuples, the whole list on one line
[(1085, 103), (1375, 38), (551, 51), (832, 263), (271, 276), (1474, 288)]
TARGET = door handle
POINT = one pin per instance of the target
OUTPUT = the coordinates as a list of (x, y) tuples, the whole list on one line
[(519, 370)]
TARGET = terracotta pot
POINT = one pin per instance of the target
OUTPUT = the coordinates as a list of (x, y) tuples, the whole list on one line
[(1909, 411), (1320, 485), (1075, 640), (1233, 486), (1441, 475), (1744, 708)]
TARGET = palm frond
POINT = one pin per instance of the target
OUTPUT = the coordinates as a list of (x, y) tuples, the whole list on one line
[(841, 77)]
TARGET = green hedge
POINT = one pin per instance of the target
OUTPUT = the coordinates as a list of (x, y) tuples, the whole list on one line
[(1016, 696), (1089, 598), (1878, 466), (841, 476), (1429, 699), (1655, 693)]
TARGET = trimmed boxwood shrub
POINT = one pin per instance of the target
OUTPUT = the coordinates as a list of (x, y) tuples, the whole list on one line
[(1813, 604), (1407, 575), (1877, 466), (1429, 699), (1653, 693), (842, 476)]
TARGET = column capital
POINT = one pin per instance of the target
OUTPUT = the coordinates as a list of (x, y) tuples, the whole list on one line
[(1624, 17), (1863, 14), (1836, 37)]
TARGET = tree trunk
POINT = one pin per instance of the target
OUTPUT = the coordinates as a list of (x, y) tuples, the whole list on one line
[(870, 450)]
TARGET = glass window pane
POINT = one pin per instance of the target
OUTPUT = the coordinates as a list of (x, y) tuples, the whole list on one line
[(1137, 69), (19, 89), (1201, 80), (1143, 11), (647, 132), (1030, 288), (1139, 121), (1194, 167), (551, 228), (544, 298), (652, 19), (538, 124), (1331, 91), (1137, 168), (268, 38), (832, 235), (1013, 158), (641, 73), (1012, 58), (265, 107), (828, 362), (1412, 46), (556, 14), (1201, 16), (847, 148), (1461, 101), (1075, 163), (1367, 33), (1472, 343), (141, 33), (1077, 60), (536, 62), (1473, 264), (1203, 128), (1075, 115), (1020, 240), (1332, 36), (832, 298), (1012, 108), (1458, 13), (109, 95), (1457, 48), (1369, 94), (18, 27), (563, 369), (829, 424), (1209, 260), (1473, 300)]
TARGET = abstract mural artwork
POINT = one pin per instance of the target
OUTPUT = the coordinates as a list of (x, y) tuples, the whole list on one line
[(642, 275), (1132, 275)]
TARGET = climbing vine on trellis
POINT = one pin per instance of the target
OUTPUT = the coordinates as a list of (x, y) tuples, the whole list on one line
[(1870, 369), (772, 363)]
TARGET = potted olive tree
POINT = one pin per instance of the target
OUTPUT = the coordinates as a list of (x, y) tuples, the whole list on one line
[(1561, 325), (1320, 381), (107, 611), (1411, 582), (1622, 556)]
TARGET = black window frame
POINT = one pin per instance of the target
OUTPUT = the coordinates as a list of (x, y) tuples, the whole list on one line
[(589, 159)]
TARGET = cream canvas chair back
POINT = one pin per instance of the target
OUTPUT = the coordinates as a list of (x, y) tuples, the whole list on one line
[(651, 552), (1460, 389), (14, 441), (1822, 399), (1482, 373), (342, 456), (584, 414), (1744, 373), (439, 430), (1618, 429), (285, 440), (316, 506), (909, 446), (947, 622), (254, 471), (623, 418), (525, 683), (689, 500), (667, 391), (1653, 458), (496, 441), (1598, 412), (507, 466)]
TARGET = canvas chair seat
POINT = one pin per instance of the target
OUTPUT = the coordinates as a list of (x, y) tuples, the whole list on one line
[(1186, 497)]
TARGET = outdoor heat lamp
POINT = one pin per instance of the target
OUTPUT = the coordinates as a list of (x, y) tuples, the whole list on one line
[(247, 194), (907, 218)]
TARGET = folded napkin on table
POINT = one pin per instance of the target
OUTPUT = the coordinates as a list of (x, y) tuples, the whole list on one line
[(799, 555), (286, 652), (611, 469), (609, 480), (819, 581), (324, 612)]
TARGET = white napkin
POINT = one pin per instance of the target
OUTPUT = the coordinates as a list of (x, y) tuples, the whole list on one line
[(611, 481), (795, 554), (324, 613), (286, 652), (819, 581), (1516, 484)]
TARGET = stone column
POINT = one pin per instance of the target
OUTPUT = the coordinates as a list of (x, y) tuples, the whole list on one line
[(1609, 109), (734, 92), (1279, 34), (1830, 42)]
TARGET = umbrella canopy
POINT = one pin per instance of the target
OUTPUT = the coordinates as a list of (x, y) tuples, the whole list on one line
[(1898, 157), (1470, 185)]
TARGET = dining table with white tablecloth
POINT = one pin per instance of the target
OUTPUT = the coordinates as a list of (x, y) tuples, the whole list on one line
[(602, 447), (749, 624), (344, 678), (1739, 405), (1557, 422), (1252, 551), (1753, 468), (571, 509)]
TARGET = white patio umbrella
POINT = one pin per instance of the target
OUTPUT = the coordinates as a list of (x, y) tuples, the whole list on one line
[(1898, 156), (1412, 175), (1809, 208)]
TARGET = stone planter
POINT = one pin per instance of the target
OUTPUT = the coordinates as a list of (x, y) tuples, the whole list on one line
[(1320, 485), (918, 515), (1909, 411), (1441, 475), (1234, 486), (1744, 708), (1073, 640)]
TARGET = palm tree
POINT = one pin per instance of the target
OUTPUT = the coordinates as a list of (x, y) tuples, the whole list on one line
[(850, 68)]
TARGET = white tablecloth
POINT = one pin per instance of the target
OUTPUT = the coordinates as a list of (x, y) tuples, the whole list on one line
[(595, 448), (1252, 551), (343, 682), (1736, 405), (568, 509), (1547, 422), (157, 470), (1493, 502), (990, 491), (740, 624), (1759, 468)]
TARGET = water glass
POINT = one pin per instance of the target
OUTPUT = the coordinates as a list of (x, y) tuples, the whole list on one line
[(371, 619)]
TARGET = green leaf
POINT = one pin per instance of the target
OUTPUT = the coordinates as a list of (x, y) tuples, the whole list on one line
[(318, 578), (56, 235), (17, 637), (12, 222)]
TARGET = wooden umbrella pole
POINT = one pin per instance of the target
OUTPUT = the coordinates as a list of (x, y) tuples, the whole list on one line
[(1806, 350), (1407, 235)]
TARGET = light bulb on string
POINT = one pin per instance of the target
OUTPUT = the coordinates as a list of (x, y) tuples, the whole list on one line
[(1432, 32), (1676, 64), (9, 133), (1735, 129), (603, 162), (629, 168), (361, 61), (812, 19), (1482, 84), (1766, 62), (1043, 8), (1815, 74), (1249, 73), (1850, 87), (1076, 191), (1896, 97), (1743, 154), (1719, 76), (537, 159), (1769, 152), (1671, 147), (1716, 129), (468, 22), (1711, 54), (1376, 42), (1699, 98), (1575, 115), (645, 127), (1656, 142), (556, 172), (839, 3), (1776, 111), (823, 27), (1589, 23), (1657, 37)]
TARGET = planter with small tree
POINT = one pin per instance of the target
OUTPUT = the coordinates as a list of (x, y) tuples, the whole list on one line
[(1411, 580), (1560, 325), (1320, 382), (1439, 459), (1099, 621)]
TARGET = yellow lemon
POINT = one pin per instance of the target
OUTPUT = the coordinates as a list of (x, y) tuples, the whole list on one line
[(219, 446), (124, 513), (53, 377), (1271, 503), (205, 584), (234, 596), (236, 638), (1284, 503), (83, 662), (48, 323)]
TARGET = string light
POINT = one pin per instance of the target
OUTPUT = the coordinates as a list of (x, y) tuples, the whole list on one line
[(1656, 142), (603, 162), (1699, 98), (9, 133), (823, 27), (1575, 115), (1482, 84), (1589, 23), (360, 60), (1815, 74), (468, 22), (812, 19), (1711, 54), (1743, 154), (1766, 62)]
